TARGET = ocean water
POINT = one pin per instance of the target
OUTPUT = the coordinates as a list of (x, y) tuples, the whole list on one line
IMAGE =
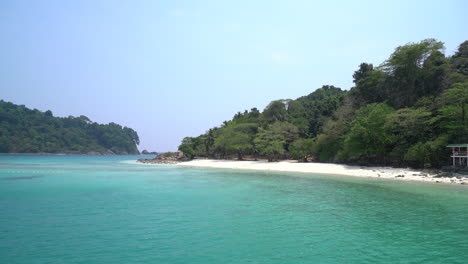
[(105, 209)]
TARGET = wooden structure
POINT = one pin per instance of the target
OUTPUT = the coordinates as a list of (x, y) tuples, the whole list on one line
[(459, 154)]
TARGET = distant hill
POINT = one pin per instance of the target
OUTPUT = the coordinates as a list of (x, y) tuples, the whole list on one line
[(23, 130)]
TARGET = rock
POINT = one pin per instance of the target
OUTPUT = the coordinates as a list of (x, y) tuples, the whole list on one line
[(399, 176), (146, 152), (109, 152), (166, 158)]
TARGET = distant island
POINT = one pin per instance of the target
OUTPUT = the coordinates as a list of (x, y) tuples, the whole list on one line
[(402, 113), (23, 130)]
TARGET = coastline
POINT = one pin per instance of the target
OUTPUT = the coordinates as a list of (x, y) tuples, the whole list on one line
[(327, 168)]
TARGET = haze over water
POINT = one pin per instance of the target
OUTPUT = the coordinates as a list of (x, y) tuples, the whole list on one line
[(103, 209)]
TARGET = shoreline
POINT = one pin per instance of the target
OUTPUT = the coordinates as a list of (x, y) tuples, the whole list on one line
[(327, 168)]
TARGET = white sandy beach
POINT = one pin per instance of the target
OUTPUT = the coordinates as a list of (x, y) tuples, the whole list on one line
[(326, 168)]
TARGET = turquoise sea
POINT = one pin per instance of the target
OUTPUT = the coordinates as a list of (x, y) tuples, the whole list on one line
[(105, 209)]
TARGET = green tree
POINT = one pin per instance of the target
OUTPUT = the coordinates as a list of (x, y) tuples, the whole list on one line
[(287, 131), (405, 68), (363, 72), (455, 110), (434, 74), (276, 111), (232, 140), (301, 148), (319, 107), (459, 60), (407, 126), (269, 144), (370, 85), (367, 137), (431, 153), (187, 147), (329, 143)]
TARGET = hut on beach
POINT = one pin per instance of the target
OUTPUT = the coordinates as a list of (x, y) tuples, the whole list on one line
[(459, 155)]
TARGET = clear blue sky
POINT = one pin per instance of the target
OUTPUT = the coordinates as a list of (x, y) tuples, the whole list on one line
[(170, 69)]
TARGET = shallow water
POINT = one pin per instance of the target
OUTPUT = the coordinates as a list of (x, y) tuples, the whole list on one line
[(102, 209)]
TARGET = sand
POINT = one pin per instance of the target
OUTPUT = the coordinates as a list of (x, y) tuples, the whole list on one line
[(327, 168)]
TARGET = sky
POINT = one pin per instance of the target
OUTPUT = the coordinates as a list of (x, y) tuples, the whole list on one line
[(170, 69)]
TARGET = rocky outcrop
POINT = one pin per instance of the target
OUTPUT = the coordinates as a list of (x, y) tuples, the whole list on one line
[(166, 158), (146, 152)]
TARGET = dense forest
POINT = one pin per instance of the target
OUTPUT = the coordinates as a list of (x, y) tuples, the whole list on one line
[(403, 112), (23, 130)]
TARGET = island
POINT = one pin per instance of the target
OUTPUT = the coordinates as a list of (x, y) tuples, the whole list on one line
[(403, 114), (24, 130)]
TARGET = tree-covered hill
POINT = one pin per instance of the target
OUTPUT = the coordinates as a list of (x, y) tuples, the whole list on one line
[(402, 113), (23, 130)]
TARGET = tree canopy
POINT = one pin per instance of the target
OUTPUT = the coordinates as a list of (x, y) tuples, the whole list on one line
[(23, 130)]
